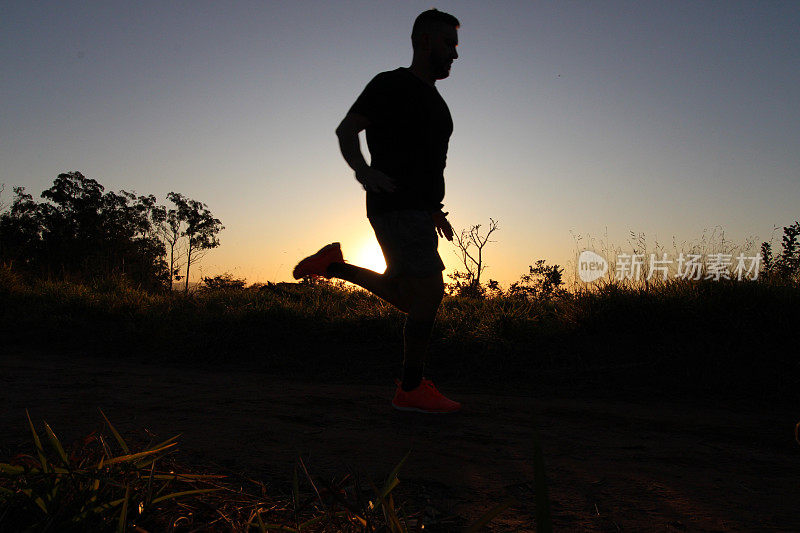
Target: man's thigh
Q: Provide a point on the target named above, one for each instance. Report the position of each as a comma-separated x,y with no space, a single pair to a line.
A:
409,243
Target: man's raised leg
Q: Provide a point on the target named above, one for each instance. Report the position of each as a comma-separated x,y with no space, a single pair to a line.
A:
328,262
381,286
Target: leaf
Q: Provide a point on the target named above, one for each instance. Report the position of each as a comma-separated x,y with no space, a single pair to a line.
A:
184,493
161,444
56,445
261,525
134,456
149,496
13,470
281,527
394,522
310,480
149,460
392,480
178,477
37,443
117,436
37,500
295,490
123,515
310,522
388,488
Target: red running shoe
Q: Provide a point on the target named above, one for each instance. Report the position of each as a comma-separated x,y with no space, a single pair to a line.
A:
317,264
425,399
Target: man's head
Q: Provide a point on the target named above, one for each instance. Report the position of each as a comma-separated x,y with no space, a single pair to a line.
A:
434,38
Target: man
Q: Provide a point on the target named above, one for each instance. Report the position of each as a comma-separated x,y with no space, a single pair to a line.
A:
408,127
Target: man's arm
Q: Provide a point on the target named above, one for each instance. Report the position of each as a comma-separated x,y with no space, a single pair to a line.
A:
347,132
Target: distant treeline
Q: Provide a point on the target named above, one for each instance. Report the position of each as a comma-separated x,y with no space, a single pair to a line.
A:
84,233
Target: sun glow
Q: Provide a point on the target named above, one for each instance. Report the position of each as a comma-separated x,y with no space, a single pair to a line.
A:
370,256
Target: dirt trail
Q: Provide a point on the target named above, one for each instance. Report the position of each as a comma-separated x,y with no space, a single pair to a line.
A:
644,466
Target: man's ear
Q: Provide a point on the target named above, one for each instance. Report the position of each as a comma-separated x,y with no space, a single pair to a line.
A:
423,41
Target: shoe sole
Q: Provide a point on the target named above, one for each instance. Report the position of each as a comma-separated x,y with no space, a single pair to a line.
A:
418,410
321,252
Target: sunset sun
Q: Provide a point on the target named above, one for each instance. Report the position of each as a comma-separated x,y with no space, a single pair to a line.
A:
369,256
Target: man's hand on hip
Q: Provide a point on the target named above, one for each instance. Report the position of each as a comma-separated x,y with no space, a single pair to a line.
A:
443,227
375,180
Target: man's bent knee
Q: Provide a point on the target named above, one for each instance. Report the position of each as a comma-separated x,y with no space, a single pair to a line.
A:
426,295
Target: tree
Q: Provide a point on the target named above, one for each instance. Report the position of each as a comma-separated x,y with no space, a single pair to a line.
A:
200,230
542,281
81,231
786,265
168,226
224,281
21,231
89,233
470,244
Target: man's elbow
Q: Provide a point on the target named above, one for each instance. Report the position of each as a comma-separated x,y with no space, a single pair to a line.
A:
351,126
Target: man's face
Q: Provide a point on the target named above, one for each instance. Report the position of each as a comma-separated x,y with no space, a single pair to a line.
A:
443,51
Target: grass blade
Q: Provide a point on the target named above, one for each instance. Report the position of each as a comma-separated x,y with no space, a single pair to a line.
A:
390,480
295,490
56,445
149,494
37,500
123,515
394,522
261,525
169,440
183,493
37,443
310,522
134,456
147,462
12,470
117,436
281,527
313,486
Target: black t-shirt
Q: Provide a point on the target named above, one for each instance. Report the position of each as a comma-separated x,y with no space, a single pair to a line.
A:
410,127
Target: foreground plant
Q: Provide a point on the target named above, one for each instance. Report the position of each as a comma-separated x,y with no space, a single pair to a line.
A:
94,488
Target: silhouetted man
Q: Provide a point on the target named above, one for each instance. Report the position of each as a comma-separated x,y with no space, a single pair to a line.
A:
408,128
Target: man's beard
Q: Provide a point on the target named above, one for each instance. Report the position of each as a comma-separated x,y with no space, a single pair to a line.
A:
441,68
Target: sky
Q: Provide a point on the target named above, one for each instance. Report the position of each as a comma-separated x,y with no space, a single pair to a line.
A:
574,122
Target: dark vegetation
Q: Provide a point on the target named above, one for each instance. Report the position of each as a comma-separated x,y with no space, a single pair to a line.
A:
82,233
698,336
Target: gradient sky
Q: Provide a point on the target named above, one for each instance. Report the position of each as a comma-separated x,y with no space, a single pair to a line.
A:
571,118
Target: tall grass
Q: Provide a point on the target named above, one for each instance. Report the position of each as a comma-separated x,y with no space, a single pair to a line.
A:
677,334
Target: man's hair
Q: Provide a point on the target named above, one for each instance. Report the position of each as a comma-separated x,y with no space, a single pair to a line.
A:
430,21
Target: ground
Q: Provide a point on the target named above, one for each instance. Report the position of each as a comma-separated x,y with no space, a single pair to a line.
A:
641,464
